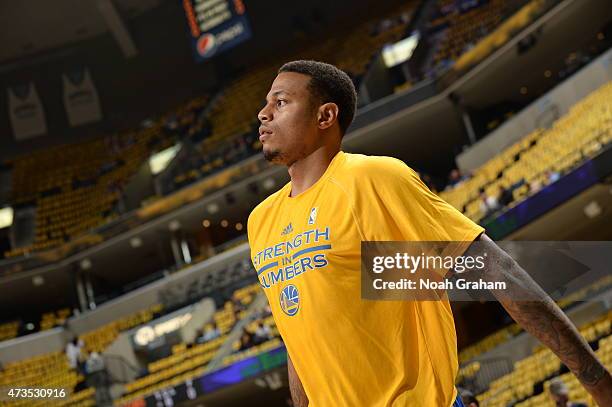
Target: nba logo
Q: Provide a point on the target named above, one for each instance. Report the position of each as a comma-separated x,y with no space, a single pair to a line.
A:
313,215
290,300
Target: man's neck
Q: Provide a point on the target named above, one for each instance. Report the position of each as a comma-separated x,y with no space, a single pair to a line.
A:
305,172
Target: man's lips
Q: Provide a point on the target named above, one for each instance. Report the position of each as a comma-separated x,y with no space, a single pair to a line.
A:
264,133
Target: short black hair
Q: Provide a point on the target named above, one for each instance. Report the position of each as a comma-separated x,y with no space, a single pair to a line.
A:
468,397
328,84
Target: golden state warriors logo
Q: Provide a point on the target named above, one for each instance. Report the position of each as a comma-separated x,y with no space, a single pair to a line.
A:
290,300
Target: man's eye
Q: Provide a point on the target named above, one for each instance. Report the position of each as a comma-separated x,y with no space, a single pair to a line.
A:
280,102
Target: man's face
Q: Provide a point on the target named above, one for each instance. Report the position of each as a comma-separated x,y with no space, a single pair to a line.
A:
288,130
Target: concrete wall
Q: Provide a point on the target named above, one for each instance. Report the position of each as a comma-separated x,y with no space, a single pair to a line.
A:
27,346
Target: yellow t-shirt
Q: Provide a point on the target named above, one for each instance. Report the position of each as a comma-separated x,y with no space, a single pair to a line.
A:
306,251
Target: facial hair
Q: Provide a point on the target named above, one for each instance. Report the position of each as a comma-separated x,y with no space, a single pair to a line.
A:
274,156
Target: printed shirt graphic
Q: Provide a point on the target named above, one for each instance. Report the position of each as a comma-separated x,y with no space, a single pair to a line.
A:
348,351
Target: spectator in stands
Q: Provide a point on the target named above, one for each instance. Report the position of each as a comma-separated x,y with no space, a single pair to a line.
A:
456,177
262,333
560,394
74,353
552,176
267,311
468,398
94,363
488,204
212,332
505,196
427,180
246,340
238,306
535,186
199,338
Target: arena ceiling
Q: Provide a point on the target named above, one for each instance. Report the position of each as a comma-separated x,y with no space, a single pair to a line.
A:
29,27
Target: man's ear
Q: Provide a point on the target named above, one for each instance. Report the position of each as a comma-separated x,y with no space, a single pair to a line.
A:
327,115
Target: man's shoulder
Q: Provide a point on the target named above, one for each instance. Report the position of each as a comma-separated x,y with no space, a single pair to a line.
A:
378,168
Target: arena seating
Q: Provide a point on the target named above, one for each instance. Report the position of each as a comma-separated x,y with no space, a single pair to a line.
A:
468,355
46,371
351,51
489,342
518,386
233,114
460,25
98,339
500,35
578,136
189,361
9,330
48,320
76,188
51,370
53,319
251,327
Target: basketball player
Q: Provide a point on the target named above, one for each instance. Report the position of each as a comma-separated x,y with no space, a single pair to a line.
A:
305,245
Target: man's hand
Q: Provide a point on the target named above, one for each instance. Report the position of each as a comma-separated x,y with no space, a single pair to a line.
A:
295,386
541,317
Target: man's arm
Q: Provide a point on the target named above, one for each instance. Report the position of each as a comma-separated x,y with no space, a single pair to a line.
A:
295,386
538,314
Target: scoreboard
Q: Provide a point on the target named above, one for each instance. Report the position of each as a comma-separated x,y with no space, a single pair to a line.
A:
215,26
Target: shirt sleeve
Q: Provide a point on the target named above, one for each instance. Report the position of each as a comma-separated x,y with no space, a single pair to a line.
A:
394,204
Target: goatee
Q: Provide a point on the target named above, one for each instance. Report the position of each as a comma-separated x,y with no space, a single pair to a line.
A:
272,156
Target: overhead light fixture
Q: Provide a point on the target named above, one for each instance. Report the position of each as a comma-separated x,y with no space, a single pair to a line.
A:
224,223
592,210
85,264
38,280
268,183
238,226
6,217
206,223
174,225
212,208
136,242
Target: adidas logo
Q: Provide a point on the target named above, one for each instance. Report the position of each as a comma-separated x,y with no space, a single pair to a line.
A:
288,229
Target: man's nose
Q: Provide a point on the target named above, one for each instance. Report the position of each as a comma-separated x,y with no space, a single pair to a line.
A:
264,114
